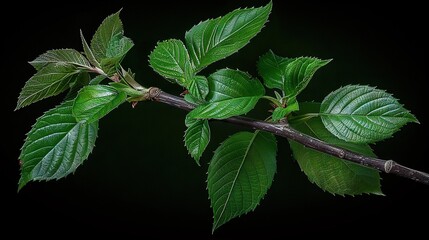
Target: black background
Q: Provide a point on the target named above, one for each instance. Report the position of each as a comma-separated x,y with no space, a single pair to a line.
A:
140,182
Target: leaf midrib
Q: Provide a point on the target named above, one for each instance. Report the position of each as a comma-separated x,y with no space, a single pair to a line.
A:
114,29
50,85
231,34
280,69
234,98
360,115
64,62
66,135
235,178
176,61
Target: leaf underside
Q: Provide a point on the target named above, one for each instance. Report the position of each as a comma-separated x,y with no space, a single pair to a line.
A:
115,52
88,52
330,173
108,45
240,174
61,57
56,145
109,29
49,81
363,114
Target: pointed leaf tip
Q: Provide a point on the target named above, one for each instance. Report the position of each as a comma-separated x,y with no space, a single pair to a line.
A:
110,28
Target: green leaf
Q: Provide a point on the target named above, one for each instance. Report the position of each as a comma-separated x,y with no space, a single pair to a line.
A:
118,47
108,45
116,51
56,145
191,99
291,75
199,87
281,112
171,60
110,28
197,137
96,101
240,174
231,93
218,38
330,173
61,57
363,114
272,69
88,52
51,80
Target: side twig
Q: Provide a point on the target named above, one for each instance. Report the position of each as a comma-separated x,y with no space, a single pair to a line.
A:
284,130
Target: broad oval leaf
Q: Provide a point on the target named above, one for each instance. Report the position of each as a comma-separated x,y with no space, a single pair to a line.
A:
231,93
197,137
171,60
56,145
96,101
291,75
240,174
218,38
330,173
61,57
363,114
51,80
110,28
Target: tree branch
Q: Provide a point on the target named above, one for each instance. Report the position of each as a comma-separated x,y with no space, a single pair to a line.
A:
284,130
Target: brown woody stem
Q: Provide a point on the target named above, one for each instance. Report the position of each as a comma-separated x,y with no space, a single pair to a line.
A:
284,130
